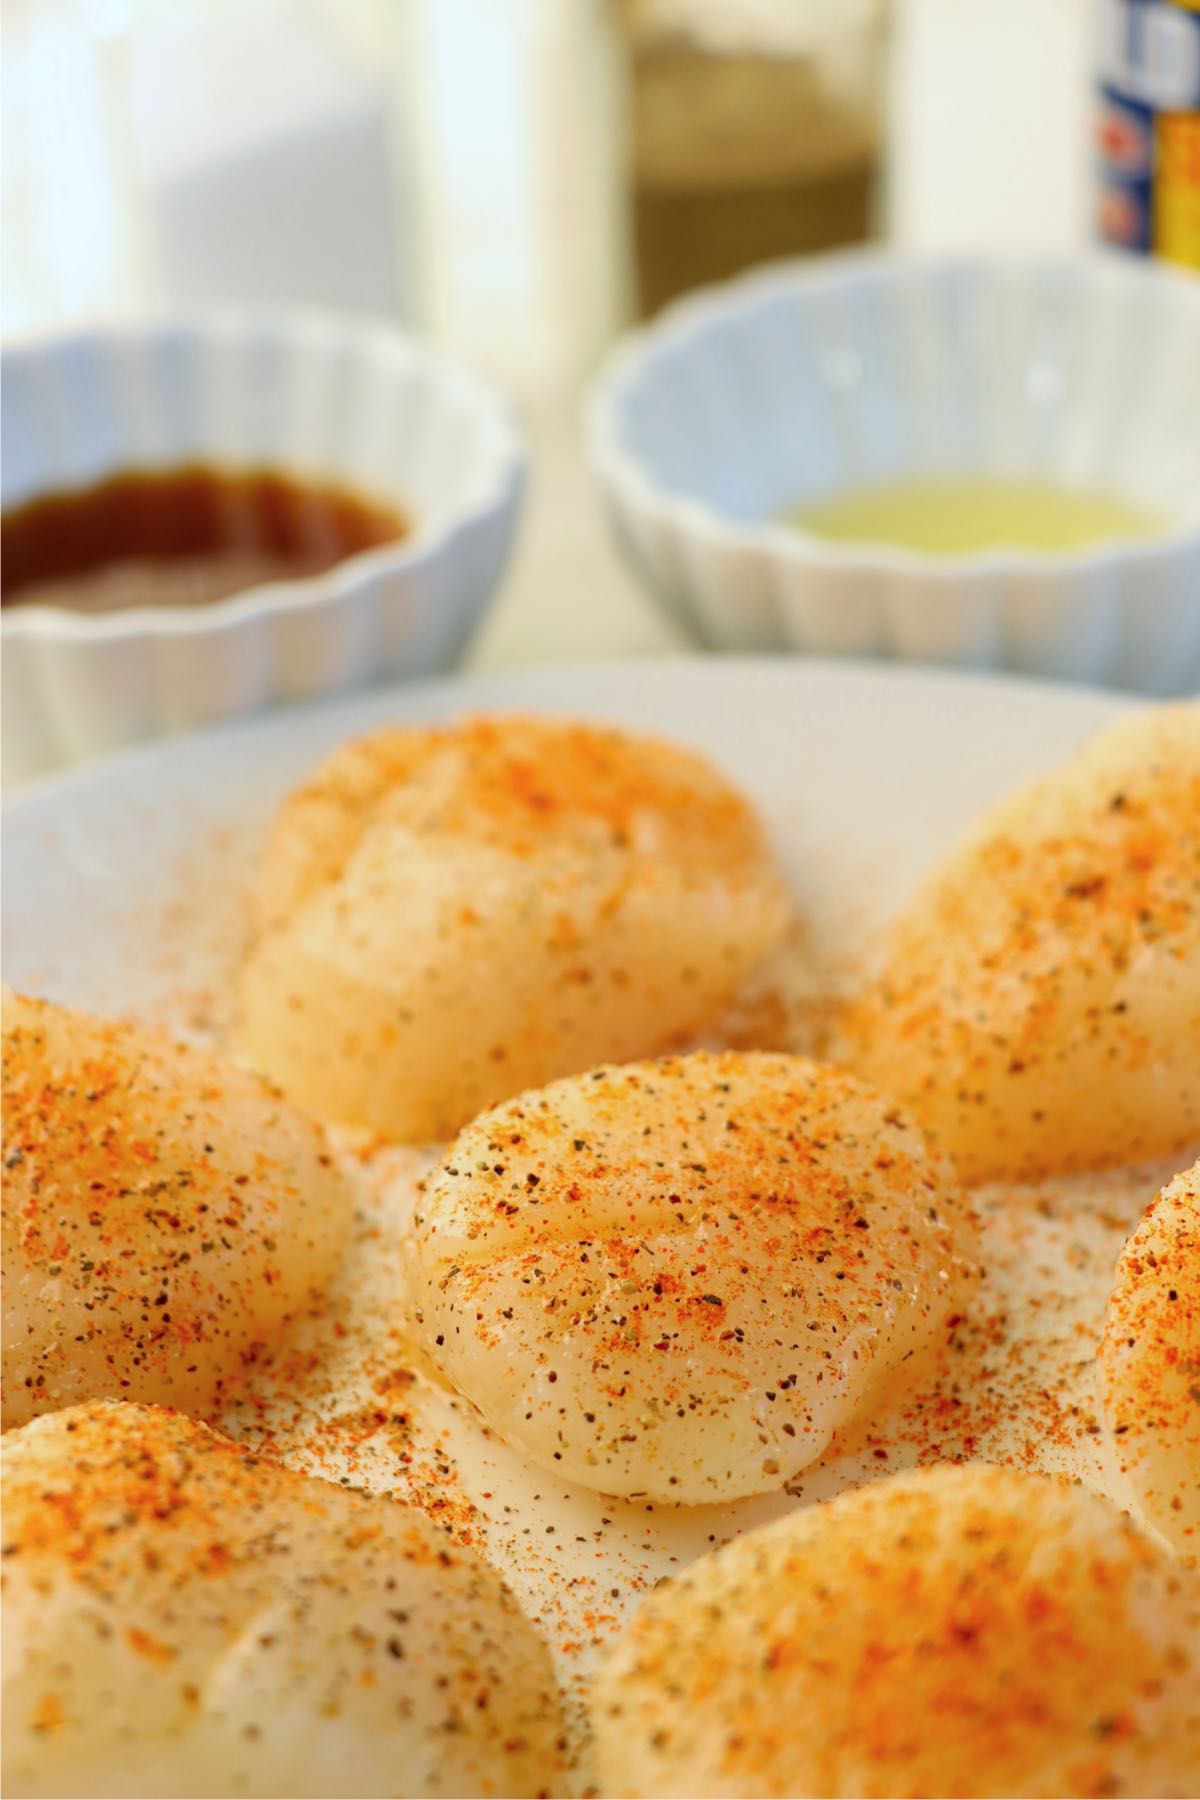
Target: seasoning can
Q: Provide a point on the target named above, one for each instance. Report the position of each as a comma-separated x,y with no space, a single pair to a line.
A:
1148,128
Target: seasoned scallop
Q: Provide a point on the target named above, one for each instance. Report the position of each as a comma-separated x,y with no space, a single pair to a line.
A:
447,916
1039,1009
967,1631
1150,1361
185,1618
163,1214
680,1278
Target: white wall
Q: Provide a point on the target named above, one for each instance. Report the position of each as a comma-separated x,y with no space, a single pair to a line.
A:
503,232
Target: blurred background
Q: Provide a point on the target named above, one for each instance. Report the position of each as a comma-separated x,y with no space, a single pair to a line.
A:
519,179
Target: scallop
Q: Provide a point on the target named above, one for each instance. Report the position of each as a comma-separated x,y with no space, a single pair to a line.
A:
185,1618
680,1278
164,1214
969,1631
1150,1362
447,916
1039,1008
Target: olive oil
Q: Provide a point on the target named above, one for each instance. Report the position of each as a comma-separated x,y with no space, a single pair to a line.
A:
955,516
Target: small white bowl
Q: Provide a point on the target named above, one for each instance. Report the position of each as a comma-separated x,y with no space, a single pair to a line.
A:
801,379
360,404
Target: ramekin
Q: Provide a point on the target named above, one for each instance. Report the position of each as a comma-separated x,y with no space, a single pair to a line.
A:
358,403
791,383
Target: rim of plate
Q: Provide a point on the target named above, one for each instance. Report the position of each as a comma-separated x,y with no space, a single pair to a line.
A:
479,687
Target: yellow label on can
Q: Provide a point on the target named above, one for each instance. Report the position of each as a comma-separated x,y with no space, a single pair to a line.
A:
1147,138
1177,188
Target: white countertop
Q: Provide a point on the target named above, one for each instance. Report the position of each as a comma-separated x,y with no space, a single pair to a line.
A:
568,596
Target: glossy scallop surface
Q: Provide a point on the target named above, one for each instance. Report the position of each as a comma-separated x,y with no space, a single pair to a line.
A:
446,916
681,1278
185,1618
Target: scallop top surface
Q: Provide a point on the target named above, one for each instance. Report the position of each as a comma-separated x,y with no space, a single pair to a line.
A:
163,1214
1150,1362
970,1631
678,1279
445,916
1039,1005
185,1618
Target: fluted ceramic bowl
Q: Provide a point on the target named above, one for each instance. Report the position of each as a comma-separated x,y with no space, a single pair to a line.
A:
804,379
364,406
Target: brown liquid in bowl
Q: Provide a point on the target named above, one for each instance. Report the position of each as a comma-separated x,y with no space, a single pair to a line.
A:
181,537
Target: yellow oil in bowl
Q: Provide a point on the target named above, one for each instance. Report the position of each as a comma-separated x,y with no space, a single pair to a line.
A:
956,516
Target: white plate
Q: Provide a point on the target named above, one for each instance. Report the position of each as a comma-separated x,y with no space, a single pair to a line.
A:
863,774
122,890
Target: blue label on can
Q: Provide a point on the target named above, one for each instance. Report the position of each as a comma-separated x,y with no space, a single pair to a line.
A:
1149,65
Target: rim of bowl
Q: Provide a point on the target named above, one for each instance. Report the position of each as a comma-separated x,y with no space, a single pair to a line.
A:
303,326
690,315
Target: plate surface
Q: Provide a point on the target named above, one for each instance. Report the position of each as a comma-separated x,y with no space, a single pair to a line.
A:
864,776
124,889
